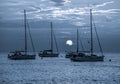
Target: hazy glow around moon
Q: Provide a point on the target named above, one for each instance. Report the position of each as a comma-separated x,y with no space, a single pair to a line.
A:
69,42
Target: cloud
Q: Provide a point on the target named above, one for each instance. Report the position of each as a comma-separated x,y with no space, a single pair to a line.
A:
79,23
108,11
60,10
61,2
58,2
66,2
70,11
104,4
63,32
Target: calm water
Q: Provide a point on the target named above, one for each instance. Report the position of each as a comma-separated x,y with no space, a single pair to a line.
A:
59,71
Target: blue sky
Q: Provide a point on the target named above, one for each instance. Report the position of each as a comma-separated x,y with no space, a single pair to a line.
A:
65,14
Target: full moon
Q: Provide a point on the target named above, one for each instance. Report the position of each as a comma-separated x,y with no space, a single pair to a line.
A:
69,42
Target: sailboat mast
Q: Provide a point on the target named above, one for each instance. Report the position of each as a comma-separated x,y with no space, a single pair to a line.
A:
51,37
91,30
77,41
25,31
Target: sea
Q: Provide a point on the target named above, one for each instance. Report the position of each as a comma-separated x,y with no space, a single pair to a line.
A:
59,70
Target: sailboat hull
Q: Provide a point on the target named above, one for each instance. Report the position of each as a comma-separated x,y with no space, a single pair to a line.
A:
49,55
21,57
87,58
68,55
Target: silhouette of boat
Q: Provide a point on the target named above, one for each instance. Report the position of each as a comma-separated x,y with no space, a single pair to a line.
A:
70,54
23,55
83,57
50,53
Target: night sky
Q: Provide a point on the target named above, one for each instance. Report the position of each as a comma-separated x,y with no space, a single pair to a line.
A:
67,16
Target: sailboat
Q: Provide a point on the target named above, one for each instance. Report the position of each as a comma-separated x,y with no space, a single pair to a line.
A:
70,54
49,52
83,57
23,55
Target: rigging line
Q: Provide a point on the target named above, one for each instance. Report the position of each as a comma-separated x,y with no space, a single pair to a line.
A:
101,50
30,37
81,42
25,26
85,44
55,41
77,41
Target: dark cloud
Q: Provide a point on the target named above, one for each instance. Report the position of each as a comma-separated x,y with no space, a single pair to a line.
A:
58,2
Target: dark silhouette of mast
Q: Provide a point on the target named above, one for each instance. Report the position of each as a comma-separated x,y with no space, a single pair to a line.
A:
77,41
51,38
55,42
81,45
91,30
25,31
